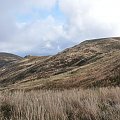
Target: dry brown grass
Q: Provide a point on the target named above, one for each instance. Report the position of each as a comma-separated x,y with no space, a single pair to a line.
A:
98,104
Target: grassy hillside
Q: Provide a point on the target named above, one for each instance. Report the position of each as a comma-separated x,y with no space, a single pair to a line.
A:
7,59
79,83
91,63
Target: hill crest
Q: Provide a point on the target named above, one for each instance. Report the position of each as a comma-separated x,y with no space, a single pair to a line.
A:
8,58
90,63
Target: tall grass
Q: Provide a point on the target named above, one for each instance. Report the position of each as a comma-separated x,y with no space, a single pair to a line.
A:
99,104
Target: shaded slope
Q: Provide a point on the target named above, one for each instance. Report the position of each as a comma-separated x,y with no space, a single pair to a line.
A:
91,63
7,58
14,72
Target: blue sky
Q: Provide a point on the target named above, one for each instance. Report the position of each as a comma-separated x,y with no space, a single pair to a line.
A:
38,27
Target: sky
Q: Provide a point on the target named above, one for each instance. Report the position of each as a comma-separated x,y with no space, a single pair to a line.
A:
46,27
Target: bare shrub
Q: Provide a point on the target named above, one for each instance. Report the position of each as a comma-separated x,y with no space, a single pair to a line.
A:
98,104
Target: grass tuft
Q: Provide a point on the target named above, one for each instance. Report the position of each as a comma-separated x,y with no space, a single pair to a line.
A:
97,104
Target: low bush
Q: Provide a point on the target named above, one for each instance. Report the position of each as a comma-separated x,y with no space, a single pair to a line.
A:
97,104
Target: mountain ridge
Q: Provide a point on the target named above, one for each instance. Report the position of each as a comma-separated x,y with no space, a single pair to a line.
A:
90,63
8,58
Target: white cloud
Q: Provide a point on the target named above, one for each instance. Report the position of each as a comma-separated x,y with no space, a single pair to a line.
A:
23,37
43,4
85,19
40,36
89,17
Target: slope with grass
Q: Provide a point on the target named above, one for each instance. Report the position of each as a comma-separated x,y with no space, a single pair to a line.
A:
7,58
99,104
91,63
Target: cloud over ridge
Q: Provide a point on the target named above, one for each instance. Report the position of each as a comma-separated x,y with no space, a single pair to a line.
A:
34,27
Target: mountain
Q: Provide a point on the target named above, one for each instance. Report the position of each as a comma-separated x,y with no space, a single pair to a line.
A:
7,58
90,63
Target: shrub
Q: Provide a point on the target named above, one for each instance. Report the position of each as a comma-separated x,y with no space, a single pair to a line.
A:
97,104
